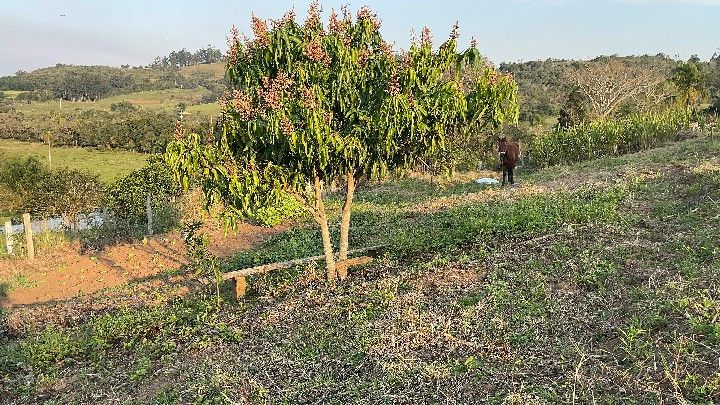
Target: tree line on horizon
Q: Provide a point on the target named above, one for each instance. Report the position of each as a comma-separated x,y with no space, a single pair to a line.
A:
91,83
552,93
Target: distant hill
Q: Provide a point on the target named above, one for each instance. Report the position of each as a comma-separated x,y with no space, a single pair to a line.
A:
110,107
91,83
179,70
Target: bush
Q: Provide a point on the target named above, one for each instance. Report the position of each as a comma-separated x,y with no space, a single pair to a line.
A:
64,193
285,208
21,175
127,198
17,178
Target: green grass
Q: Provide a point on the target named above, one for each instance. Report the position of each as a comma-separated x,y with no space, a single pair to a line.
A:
109,165
216,70
11,94
153,100
604,290
209,109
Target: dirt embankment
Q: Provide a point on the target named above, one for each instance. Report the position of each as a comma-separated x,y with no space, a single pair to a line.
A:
64,273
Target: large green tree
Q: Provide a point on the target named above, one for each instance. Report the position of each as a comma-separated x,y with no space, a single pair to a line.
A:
312,106
690,81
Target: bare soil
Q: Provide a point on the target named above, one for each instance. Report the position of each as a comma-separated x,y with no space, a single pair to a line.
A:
63,273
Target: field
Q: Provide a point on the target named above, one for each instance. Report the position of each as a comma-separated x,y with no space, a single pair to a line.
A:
596,282
11,94
109,165
154,100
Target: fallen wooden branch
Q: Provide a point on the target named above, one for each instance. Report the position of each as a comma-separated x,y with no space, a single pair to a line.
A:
241,283
343,266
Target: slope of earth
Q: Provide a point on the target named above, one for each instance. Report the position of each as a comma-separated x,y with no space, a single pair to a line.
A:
599,285
64,273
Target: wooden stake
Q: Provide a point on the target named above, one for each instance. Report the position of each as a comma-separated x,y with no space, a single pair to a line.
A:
343,265
240,286
149,215
8,237
28,236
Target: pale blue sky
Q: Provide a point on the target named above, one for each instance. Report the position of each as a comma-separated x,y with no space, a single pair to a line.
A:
38,33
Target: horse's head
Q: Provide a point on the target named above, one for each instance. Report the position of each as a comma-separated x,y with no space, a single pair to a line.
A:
502,146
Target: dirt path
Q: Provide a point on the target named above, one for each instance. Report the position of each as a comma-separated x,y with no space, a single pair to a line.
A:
64,273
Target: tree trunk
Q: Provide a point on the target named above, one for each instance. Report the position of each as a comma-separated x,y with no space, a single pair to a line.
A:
345,220
321,219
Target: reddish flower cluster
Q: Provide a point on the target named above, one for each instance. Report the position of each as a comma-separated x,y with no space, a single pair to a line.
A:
315,51
243,105
407,60
493,78
231,167
347,17
286,125
363,57
272,90
308,97
394,86
455,33
336,26
260,30
387,49
288,18
313,17
365,13
426,37
179,132
473,42
233,42
411,99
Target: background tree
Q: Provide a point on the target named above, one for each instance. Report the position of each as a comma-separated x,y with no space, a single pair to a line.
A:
575,111
608,82
713,82
312,107
65,193
542,87
690,81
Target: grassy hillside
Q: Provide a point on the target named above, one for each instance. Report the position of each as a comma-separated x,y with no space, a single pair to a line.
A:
589,283
154,100
195,98
215,70
109,165
11,94
160,89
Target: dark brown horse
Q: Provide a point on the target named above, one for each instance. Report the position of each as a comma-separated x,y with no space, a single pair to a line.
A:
509,154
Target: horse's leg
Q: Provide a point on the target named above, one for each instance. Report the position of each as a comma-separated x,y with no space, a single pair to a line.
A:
504,175
511,175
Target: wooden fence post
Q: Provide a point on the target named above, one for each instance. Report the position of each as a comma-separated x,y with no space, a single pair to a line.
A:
8,237
149,215
28,236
